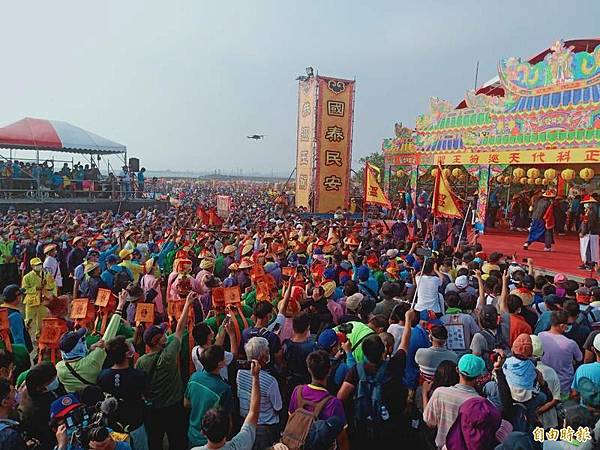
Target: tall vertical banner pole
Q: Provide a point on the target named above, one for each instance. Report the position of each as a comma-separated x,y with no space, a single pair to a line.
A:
365,192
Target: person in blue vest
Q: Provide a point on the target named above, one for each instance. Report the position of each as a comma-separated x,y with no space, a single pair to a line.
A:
13,296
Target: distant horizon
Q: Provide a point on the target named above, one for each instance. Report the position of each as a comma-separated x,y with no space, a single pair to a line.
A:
182,84
182,173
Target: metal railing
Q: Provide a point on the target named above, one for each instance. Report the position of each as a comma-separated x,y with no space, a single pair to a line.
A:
43,189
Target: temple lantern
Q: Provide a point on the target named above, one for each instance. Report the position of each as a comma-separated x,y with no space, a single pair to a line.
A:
533,173
518,173
568,174
550,174
586,174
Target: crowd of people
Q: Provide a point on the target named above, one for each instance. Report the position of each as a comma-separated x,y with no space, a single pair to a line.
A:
21,178
275,329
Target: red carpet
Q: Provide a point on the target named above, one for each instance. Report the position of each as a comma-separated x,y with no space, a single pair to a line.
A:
564,257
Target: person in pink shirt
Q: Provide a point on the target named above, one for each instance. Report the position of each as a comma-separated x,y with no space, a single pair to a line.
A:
207,267
334,307
151,280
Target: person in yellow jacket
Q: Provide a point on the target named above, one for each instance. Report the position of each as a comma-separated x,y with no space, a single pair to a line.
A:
137,270
39,285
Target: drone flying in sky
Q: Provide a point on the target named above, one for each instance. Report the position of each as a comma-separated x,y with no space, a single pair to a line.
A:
256,137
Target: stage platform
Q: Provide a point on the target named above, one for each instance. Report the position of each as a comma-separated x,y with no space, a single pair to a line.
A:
84,204
564,257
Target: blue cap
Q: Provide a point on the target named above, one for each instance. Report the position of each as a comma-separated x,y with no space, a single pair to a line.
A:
363,272
112,258
471,365
153,331
10,292
329,273
327,339
271,266
64,405
69,340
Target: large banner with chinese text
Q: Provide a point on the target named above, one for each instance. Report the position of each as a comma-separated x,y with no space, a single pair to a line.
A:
548,156
307,114
334,144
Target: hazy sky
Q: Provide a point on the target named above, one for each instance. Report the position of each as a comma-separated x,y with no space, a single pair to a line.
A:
181,83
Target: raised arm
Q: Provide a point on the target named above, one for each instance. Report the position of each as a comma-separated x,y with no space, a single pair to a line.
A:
481,298
183,320
408,319
254,410
504,295
288,293
438,273
530,267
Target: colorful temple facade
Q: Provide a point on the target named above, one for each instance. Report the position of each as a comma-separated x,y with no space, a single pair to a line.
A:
540,113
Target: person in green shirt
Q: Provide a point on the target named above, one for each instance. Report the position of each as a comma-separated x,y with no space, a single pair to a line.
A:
205,390
166,414
79,367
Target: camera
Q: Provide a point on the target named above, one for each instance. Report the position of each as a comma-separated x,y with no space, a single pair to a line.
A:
85,423
244,364
424,252
78,419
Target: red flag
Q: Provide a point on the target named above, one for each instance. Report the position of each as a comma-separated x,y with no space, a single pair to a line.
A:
445,202
201,214
213,219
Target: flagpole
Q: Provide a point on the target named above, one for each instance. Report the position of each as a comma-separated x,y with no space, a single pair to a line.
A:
365,192
462,228
417,281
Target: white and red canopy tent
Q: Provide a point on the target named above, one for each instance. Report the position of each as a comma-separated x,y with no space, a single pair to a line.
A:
57,136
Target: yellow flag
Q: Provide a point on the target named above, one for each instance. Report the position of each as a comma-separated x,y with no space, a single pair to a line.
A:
374,195
445,202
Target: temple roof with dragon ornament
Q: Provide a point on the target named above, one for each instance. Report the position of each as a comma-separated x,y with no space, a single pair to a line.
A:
551,101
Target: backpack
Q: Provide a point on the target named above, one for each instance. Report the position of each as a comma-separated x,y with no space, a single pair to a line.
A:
331,386
493,342
121,280
587,317
301,421
368,292
369,410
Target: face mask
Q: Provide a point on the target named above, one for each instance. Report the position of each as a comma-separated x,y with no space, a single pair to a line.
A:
37,268
569,328
54,385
